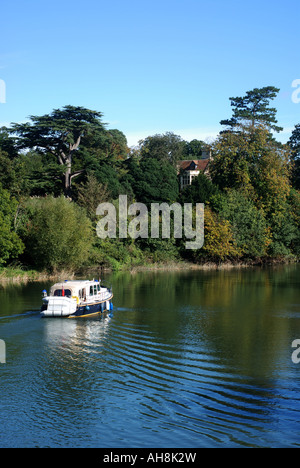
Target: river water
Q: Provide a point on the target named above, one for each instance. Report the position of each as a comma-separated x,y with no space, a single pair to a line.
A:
188,359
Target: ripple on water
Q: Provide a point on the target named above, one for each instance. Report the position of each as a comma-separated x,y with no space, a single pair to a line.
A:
116,383
192,393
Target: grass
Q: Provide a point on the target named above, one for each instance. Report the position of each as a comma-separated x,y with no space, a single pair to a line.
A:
19,274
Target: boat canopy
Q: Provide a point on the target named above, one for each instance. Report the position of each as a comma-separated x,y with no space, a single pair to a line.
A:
79,289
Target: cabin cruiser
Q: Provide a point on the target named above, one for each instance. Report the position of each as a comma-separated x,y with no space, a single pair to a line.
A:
77,299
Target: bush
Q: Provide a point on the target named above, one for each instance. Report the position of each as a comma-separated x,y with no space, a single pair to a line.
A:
10,244
57,234
249,225
219,242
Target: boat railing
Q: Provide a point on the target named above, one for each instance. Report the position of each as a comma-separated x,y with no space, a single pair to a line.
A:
102,296
108,286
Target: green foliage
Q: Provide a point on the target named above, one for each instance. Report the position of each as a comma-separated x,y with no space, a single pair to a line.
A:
11,245
153,181
37,175
167,147
107,175
219,243
285,233
59,134
249,225
91,194
294,212
251,197
59,131
7,143
201,190
57,234
294,144
194,149
254,108
257,167
253,163
7,171
118,254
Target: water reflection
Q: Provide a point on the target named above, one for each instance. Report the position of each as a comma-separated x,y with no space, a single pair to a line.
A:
249,317
74,334
189,359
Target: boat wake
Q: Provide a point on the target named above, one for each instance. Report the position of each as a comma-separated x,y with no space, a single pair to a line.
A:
28,313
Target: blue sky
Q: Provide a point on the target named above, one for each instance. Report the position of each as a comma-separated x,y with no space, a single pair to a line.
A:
149,66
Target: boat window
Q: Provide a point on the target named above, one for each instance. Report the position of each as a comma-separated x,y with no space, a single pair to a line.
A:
95,289
82,294
59,292
98,287
91,291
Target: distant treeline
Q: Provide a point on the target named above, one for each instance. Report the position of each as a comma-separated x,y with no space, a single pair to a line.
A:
57,168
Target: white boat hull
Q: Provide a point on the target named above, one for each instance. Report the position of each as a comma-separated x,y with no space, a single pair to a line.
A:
60,307
76,299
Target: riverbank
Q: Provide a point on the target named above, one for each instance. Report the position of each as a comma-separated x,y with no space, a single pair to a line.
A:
226,265
19,275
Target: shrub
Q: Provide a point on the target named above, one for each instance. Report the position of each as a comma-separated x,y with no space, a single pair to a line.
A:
10,244
57,234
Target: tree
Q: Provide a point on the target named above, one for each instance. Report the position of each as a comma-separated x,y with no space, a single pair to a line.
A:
153,181
285,233
91,194
194,149
117,148
294,212
60,134
253,109
7,171
57,234
167,147
219,242
106,175
7,143
201,190
249,225
294,144
37,174
11,245
254,163
109,146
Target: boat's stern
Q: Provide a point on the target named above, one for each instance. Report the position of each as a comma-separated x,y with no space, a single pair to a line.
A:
55,306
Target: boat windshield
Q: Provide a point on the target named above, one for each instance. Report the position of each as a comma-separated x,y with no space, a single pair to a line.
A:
63,292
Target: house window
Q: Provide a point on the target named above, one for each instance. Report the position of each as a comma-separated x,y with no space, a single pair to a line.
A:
185,179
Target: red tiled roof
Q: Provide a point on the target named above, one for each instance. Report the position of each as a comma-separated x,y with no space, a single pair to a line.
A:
201,164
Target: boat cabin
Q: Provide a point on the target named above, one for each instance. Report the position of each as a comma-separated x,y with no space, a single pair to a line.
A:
76,299
83,290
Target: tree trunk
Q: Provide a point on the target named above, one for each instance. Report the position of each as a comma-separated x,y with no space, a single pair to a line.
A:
67,161
67,176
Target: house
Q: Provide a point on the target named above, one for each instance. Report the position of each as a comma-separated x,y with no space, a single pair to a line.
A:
188,169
